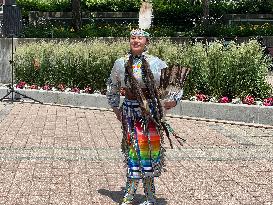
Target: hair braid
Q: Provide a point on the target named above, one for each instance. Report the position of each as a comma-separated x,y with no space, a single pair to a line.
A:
149,81
148,78
150,84
133,84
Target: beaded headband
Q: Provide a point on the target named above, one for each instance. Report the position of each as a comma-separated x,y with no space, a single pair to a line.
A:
139,32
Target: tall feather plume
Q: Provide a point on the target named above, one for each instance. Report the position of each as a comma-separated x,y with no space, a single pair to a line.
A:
145,15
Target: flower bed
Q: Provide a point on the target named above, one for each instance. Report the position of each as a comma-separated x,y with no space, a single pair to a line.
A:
193,109
247,100
220,72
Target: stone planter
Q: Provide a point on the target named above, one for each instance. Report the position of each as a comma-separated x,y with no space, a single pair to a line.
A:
214,111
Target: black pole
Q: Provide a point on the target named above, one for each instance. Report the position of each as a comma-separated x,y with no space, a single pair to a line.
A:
11,87
12,68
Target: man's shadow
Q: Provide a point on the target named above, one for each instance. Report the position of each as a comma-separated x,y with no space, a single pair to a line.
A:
117,197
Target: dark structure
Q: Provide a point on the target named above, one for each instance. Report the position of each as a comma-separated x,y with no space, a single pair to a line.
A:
12,19
76,15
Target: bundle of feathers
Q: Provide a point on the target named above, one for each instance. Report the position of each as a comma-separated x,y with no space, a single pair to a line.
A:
172,79
145,15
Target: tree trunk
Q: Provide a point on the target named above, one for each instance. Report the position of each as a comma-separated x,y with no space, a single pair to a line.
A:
76,14
206,12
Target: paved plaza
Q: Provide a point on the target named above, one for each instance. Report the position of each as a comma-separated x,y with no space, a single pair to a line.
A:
64,155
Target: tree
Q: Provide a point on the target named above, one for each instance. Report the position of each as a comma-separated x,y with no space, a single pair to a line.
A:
205,12
76,14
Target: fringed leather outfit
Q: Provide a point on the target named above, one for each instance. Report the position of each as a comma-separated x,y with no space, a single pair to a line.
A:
141,120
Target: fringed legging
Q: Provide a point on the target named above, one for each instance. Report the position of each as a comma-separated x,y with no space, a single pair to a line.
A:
148,185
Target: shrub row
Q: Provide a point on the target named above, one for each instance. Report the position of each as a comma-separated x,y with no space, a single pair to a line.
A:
217,7
44,5
233,71
49,30
171,12
242,30
183,16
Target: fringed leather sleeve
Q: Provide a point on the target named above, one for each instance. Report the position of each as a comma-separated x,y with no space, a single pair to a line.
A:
176,95
113,86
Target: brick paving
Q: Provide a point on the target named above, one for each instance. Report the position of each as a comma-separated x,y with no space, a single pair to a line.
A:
62,155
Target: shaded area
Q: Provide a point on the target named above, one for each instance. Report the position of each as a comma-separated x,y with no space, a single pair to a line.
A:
117,196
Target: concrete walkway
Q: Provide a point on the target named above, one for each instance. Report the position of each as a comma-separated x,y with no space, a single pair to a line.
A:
61,155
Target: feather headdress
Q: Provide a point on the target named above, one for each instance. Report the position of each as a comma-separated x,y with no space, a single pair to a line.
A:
145,20
145,15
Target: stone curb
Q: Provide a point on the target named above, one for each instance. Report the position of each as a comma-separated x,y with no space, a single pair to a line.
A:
252,114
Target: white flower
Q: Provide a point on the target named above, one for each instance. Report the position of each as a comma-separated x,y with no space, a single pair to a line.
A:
97,92
213,99
259,103
236,101
193,98
26,86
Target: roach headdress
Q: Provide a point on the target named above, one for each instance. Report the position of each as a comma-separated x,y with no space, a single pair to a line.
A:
144,20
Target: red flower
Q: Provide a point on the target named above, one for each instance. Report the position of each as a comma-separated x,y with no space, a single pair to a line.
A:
46,87
88,89
268,101
201,97
21,85
224,100
75,90
249,100
34,87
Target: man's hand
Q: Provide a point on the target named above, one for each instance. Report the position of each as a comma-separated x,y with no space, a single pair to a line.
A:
169,104
118,113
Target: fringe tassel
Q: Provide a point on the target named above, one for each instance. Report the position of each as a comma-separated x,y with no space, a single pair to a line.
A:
167,127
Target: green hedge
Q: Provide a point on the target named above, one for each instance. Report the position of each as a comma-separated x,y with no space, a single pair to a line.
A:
73,64
185,7
48,30
87,5
111,5
242,30
233,71
44,5
171,16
